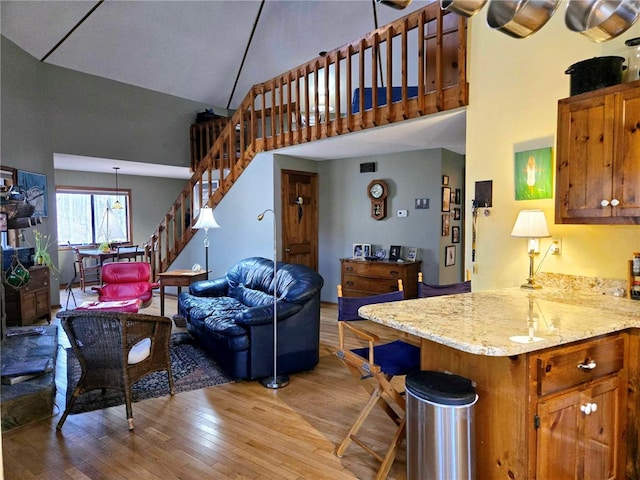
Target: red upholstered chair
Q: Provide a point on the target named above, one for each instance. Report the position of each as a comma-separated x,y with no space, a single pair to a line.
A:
126,281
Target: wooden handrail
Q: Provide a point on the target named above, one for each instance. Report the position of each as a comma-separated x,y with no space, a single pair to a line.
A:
422,55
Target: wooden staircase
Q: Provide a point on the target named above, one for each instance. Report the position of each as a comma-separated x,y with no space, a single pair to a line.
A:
425,49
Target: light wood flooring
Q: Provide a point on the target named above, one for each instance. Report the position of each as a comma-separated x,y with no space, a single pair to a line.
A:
235,431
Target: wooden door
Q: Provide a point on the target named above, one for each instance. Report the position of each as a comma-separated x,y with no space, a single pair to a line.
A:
577,443
585,159
626,175
300,218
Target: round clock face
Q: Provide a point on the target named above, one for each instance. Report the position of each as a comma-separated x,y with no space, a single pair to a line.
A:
376,190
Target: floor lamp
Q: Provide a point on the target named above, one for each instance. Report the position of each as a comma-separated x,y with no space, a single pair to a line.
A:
276,381
206,220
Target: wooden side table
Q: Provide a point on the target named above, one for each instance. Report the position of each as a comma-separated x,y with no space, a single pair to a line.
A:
178,278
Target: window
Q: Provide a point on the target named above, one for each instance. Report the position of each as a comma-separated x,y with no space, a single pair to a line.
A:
87,217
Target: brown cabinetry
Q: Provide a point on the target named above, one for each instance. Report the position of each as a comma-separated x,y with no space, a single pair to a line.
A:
580,411
542,416
598,160
31,302
360,278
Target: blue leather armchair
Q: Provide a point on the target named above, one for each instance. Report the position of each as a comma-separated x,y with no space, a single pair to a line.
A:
232,318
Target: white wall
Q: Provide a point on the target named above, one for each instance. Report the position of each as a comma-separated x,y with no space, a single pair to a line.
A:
514,88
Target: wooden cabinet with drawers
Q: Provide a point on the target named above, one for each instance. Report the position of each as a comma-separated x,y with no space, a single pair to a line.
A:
360,278
581,410
31,302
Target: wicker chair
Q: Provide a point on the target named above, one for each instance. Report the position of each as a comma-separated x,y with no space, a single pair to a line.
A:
115,350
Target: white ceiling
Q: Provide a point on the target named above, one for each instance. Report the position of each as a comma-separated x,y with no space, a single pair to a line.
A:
194,50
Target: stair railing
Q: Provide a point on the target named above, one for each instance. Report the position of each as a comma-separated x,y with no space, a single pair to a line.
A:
422,56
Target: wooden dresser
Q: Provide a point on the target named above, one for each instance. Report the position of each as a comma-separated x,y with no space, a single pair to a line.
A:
27,304
360,278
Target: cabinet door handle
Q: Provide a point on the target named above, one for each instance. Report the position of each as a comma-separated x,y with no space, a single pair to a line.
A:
350,284
588,366
615,202
349,269
588,408
394,272
604,203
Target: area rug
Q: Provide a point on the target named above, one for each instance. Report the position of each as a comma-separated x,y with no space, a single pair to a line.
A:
191,367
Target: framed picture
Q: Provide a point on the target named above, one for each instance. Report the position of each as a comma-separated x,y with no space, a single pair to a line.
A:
458,196
446,221
456,214
453,197
3,222
358,250
455,234
394,252
445,180
449,255
412,254
533,171
35,184
446,199
366,249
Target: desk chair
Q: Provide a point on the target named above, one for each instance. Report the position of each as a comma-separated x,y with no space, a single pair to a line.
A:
375,366
89,269
428,290
115,350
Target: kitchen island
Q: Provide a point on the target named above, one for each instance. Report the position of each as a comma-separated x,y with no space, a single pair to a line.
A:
556,371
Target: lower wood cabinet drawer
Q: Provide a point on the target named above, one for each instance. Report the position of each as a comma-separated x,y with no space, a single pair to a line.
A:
367,284
571,366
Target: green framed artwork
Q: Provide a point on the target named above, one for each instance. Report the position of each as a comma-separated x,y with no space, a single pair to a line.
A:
534,174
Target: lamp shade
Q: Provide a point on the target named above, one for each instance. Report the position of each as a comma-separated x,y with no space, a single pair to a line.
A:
206,219
530,224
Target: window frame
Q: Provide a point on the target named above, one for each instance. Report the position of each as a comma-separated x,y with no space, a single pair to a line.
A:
125,197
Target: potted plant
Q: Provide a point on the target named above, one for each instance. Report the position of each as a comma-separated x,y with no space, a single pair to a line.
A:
41,255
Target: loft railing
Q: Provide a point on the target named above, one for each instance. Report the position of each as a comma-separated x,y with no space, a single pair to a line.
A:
422,56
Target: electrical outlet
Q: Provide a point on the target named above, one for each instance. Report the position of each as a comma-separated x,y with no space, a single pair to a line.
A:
402,213
556,246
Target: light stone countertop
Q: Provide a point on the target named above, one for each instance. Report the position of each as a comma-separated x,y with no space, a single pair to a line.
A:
503,322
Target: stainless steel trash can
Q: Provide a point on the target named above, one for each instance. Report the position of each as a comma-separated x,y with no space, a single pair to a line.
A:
439,426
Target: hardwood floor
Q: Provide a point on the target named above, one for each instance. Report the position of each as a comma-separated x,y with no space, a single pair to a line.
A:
233,431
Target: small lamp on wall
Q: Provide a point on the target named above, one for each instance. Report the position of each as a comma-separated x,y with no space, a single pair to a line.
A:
531,224
206,220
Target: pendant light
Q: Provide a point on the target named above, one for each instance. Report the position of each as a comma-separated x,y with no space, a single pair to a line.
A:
117,205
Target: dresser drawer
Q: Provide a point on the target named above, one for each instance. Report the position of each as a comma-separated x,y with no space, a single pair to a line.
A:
372,269
567,367
368,284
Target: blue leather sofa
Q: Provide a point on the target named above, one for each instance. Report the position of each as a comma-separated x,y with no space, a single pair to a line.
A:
232,318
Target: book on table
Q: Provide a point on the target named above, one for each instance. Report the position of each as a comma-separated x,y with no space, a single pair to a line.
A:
26,367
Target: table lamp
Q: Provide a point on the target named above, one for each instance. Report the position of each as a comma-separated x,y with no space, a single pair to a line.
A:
206,220
531,224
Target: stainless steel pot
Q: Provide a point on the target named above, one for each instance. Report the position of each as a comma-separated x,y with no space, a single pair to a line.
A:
466,8
601,20
520,18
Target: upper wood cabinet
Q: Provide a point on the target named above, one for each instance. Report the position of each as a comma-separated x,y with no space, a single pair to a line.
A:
598,157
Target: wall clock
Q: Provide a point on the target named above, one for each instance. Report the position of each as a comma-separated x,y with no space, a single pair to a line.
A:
378,191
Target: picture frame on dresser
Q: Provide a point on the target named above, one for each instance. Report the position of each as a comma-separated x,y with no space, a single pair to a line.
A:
357,251
394,253
412,254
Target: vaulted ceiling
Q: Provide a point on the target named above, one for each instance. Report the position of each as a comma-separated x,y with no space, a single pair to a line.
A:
209,51
191,49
